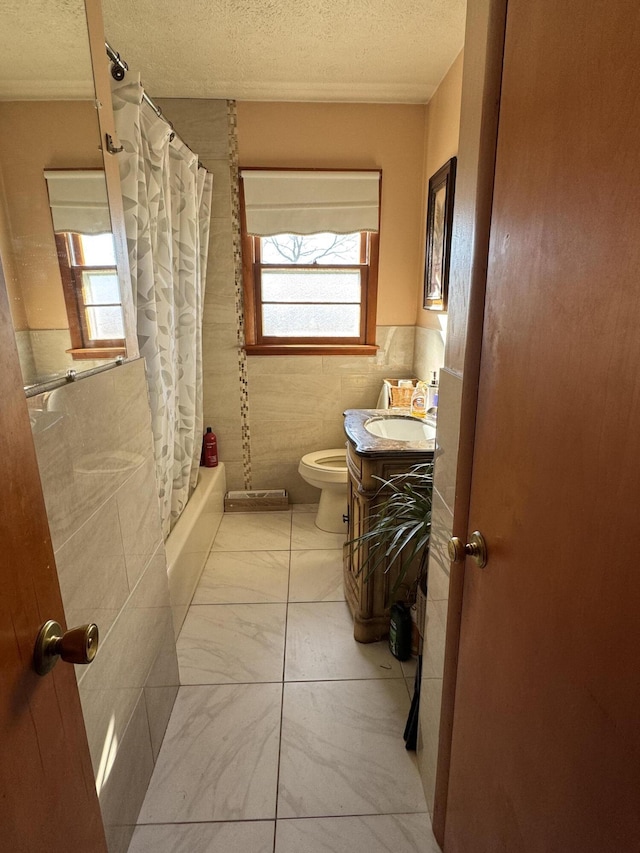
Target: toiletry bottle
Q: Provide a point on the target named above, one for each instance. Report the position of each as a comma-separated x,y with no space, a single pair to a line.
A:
419,400
432,394
210,449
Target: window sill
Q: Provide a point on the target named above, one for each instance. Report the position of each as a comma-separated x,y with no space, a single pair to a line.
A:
311,349
96,352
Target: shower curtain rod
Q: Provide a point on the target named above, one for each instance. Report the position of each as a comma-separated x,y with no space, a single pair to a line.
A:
118,69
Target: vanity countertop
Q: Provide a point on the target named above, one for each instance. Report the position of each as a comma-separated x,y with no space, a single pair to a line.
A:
372,446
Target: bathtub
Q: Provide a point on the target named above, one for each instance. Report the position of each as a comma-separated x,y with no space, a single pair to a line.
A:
190,540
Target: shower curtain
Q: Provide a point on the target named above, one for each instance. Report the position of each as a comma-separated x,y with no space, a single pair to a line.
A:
167,205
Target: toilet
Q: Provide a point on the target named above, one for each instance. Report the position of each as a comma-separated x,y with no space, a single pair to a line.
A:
327,470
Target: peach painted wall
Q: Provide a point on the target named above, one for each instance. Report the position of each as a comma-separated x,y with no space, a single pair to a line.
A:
38,135
390,137
443,126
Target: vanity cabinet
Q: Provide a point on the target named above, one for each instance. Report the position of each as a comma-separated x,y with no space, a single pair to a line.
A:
368,600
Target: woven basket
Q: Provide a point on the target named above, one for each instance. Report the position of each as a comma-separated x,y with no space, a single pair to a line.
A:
400,397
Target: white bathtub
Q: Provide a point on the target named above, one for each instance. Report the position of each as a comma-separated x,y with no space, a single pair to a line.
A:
190,540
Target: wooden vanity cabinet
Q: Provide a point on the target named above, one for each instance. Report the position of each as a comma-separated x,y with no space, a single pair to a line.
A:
368,600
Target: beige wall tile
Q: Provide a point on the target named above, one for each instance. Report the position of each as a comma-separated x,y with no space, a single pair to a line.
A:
92,571
448,435
202,123
439,566
123,790
428,735
278,475
139,514
235,475
284,440
287,364
429,352
101,437
294,397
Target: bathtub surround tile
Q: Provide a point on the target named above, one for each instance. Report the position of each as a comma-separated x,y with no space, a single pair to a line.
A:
342,751
320,646
134,762
252,531
231,643
305,536
111,686
92,571
316,575
219,759
202,123
232,577
403,833
139,514
159,702
249,837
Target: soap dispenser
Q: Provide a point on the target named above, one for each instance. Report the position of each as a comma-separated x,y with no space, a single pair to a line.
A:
419,400
432,394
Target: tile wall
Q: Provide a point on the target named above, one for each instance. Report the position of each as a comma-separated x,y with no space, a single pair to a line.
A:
93,442
296,405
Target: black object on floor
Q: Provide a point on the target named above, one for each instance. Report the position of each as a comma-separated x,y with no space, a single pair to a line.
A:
411,728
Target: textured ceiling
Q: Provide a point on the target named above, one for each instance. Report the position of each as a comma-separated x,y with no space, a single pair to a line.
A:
323,50
44,50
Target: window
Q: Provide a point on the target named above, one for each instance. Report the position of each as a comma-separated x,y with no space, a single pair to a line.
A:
92,294
310,288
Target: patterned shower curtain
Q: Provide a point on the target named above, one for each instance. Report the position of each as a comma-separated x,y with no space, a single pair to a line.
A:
167,208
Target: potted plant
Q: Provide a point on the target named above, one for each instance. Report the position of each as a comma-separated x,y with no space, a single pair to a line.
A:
399,530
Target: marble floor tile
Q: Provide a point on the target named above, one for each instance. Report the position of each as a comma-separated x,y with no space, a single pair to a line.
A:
219,759
306,536
254,531
247,837
231,577
232,643
316,576
403,833
320,646
304,507
342,751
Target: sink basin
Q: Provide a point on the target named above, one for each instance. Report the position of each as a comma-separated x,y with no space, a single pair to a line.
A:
400,428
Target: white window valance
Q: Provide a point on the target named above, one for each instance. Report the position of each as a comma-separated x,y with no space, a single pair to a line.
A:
78,201
310,202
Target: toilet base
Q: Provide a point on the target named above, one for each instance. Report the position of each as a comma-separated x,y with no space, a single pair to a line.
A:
331,509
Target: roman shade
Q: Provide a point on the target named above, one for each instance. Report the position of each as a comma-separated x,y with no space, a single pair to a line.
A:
310,202
78,201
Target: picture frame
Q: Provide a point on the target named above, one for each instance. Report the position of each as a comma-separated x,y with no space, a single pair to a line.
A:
438,238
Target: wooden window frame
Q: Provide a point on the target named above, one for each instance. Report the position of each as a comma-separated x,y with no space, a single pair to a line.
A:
82,347
258,344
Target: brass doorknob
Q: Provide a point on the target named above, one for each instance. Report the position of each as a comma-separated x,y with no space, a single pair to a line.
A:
78,645
475,548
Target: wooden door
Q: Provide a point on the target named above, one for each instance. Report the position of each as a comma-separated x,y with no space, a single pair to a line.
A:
48,798
546,733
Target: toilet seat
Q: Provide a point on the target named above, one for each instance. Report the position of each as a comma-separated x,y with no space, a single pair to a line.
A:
330,466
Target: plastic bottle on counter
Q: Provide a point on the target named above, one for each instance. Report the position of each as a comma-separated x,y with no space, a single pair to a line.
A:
209,449
432,394
419,401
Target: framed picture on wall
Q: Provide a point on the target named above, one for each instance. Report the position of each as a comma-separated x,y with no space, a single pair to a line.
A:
438,249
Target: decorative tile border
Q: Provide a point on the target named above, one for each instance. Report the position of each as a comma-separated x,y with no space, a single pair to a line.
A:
232,119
